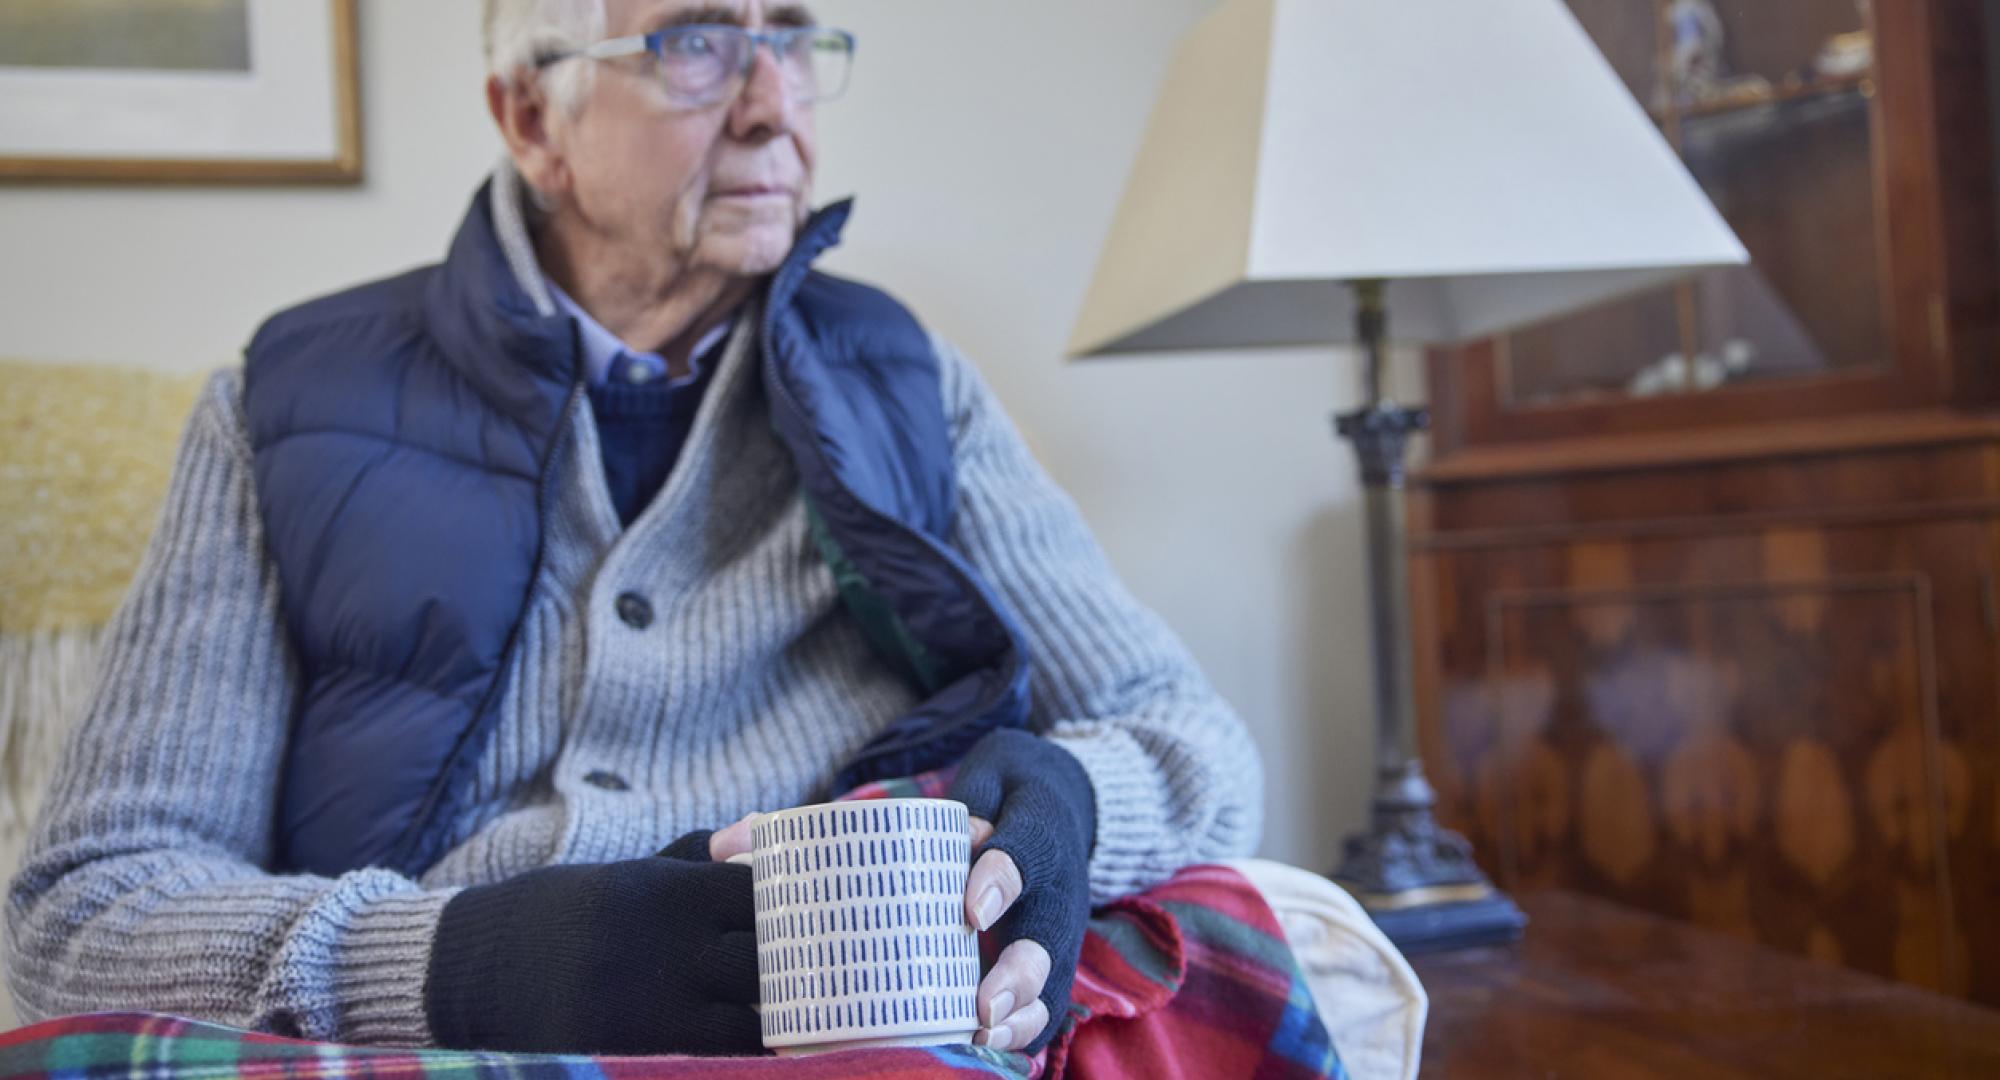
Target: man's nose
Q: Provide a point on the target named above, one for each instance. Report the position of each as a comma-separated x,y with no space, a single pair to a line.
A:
764,108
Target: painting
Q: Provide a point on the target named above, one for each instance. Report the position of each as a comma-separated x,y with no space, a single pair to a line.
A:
158,35
178,90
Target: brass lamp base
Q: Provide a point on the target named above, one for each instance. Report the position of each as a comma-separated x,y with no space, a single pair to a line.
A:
1417,879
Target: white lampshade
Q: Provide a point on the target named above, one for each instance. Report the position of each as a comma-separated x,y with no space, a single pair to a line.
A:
1480,155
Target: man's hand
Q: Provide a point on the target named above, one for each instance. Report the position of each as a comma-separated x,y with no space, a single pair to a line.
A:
646,956
1035,817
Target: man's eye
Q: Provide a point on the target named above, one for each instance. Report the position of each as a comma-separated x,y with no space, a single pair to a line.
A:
691,45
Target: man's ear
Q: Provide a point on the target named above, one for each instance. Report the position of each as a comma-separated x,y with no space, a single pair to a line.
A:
522,113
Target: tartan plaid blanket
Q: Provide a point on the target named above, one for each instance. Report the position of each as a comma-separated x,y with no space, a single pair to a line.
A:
106,1045
1191,978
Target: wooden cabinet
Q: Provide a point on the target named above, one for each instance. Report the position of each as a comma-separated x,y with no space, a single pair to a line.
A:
1733,654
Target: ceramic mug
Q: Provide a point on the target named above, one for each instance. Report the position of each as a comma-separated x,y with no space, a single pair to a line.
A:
861,932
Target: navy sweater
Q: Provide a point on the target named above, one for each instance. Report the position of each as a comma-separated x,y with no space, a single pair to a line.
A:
641,430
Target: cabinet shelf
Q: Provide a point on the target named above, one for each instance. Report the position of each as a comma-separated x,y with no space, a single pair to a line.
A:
1835,86
1723,130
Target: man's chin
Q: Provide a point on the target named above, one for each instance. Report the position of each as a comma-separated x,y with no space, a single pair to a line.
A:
751,226
751,253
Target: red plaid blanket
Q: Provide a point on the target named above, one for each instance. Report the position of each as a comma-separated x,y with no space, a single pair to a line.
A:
1191,978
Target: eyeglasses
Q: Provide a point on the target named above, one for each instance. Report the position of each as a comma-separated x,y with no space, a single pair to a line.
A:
700,66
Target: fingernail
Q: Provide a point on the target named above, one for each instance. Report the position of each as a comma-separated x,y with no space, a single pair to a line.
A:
1000,1038
1003,1004
988,908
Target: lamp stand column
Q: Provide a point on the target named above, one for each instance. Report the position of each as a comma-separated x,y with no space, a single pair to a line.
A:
1417,880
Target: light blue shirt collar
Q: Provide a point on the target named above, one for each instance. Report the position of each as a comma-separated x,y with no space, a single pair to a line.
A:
603,352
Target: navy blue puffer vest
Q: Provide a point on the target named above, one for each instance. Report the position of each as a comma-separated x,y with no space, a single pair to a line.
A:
403,434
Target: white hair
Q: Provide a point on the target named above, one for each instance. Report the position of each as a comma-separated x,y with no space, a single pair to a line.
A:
521,32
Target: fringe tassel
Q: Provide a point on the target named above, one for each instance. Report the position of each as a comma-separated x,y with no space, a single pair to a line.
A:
45,678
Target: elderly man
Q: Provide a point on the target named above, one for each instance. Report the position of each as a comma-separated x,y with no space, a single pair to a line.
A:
484,592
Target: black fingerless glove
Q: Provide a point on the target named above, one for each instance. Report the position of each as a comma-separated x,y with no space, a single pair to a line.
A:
1044,815
647,956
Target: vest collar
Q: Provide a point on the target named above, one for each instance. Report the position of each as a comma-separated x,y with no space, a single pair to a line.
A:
508,206
498,328
820,232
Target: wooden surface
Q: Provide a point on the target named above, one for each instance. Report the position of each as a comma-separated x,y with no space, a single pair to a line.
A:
1598,992
1781,439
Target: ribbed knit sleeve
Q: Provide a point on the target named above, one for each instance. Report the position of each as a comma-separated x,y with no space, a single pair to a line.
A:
1175,773
144,886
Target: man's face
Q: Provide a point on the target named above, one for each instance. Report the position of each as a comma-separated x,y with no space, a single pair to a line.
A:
722,188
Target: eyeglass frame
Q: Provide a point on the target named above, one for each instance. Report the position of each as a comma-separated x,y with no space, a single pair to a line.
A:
650,43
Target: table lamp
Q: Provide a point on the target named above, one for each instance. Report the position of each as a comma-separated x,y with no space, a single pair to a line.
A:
1312,166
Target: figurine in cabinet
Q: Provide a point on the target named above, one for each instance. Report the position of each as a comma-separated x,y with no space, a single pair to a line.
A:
1697,36
1697,73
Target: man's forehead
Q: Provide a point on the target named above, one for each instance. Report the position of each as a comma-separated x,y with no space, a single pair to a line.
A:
640,16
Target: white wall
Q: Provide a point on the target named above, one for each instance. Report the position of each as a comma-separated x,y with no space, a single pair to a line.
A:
987,144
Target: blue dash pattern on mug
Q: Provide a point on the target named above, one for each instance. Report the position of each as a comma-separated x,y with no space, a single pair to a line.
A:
861,930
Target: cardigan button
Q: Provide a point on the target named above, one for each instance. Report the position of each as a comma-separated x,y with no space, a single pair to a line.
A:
635,611
598,778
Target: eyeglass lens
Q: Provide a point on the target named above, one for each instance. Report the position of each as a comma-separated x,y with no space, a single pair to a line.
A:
701,65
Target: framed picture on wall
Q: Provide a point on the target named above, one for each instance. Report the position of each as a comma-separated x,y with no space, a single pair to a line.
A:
260,91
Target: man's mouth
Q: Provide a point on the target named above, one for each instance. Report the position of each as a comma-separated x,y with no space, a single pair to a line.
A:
751,191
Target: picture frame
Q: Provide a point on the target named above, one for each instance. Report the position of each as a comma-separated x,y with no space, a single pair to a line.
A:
180,91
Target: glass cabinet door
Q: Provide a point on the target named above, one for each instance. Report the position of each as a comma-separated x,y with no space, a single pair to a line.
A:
1771,103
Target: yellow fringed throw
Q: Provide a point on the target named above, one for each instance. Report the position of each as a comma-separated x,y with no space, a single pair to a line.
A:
85,453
